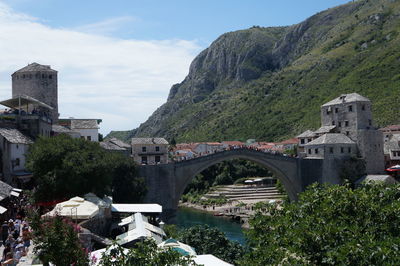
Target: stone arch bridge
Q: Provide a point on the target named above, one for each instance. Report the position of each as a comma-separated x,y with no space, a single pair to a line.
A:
167,182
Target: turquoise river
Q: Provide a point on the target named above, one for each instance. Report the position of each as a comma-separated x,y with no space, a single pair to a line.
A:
187,217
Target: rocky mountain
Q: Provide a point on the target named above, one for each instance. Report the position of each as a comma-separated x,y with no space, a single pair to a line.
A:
268,83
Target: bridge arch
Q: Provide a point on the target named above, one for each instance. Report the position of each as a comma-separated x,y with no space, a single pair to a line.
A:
284,168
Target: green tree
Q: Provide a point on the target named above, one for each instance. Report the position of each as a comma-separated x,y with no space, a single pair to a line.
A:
127,187
329,225
145,253
56,241
207,240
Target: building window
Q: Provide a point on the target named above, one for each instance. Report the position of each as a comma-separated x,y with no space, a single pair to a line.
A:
82,137
157,148
363,107
340,124
336,110
330,149
350,108
158,159
89,138
309,140
17,146
301,141
144,159
346,123
43,76
23,76
333,122
349,149
309,151
394,153
50,76
347,133
369,122
341,150
327,111
144,149
316,151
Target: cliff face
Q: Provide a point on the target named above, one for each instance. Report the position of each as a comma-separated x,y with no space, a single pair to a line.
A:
269,82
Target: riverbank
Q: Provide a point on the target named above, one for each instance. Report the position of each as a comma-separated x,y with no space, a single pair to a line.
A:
239,211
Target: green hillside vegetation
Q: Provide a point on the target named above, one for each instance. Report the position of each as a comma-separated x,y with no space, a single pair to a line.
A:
269,83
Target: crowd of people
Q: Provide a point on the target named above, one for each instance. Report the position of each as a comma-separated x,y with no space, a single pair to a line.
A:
16,235
235,147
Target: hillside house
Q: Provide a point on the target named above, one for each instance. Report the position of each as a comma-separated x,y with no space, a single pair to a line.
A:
149,150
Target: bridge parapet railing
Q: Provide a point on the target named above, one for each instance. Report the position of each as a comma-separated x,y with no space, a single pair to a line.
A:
233,151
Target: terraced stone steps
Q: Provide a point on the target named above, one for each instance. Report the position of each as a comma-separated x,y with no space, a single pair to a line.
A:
238,193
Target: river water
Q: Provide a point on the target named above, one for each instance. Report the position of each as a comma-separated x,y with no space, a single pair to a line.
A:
187,217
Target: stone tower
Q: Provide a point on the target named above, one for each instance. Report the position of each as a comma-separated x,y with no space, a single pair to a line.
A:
37,81
351,115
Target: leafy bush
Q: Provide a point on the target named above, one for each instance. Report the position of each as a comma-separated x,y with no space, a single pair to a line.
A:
329,225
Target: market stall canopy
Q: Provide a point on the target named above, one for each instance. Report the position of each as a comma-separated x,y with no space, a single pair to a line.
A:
75,208
98,254
2,210
139,230
24,100
394,168
135,208
182,248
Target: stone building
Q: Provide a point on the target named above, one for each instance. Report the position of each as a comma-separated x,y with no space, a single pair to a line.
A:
116,145
347,120
14,146
86,128
150,150
333,145
37,81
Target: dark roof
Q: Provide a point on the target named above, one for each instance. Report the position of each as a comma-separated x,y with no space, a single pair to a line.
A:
324,129
84,124
114,144
35,67
15,136
331,138
149,141
391,128
60,129
346,98
306,134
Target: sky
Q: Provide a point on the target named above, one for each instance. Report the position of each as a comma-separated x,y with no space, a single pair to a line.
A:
117,60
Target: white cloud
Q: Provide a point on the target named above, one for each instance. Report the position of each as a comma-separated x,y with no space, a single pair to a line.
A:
107,26
119,81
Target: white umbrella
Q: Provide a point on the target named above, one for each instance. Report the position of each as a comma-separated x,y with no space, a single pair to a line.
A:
75,208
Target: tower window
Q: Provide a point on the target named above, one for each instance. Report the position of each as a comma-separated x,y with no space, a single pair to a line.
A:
350,108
